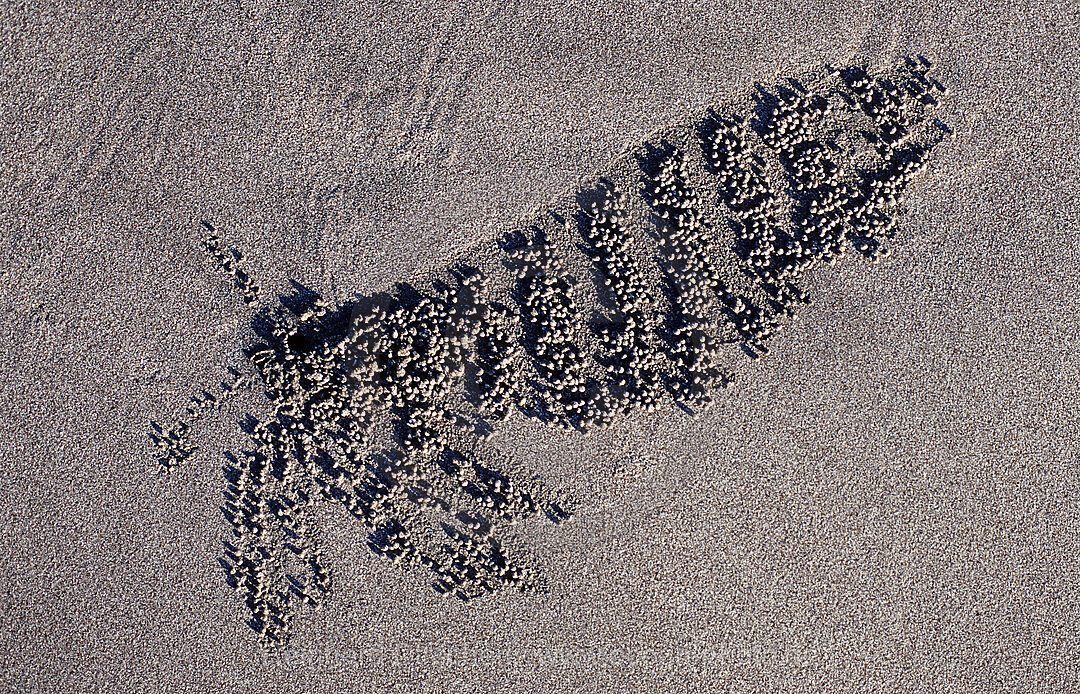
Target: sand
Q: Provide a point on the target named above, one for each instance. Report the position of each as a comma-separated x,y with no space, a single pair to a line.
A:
887,501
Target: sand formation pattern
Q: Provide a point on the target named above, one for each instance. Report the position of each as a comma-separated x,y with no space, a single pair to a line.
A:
681,256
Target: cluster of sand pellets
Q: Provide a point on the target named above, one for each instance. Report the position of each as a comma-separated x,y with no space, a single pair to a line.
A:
174,444
229,262
632,294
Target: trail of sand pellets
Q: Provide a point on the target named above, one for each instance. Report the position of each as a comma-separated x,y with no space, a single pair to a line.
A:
634,293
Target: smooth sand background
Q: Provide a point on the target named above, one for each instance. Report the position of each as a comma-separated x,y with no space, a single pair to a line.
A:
890,501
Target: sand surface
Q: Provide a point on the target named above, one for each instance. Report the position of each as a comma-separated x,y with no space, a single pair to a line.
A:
888,501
